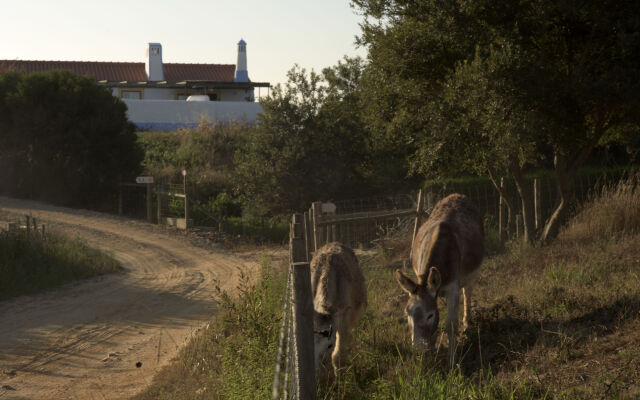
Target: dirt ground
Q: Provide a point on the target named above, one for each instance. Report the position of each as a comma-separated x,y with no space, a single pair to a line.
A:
106,337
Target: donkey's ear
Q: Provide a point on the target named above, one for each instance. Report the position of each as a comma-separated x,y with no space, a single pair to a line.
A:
406,283
434,280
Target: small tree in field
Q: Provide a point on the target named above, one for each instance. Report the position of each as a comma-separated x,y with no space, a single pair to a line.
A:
63,138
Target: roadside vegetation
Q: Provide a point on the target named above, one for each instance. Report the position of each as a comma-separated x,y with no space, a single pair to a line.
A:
557,322
31,264
63,139
233,356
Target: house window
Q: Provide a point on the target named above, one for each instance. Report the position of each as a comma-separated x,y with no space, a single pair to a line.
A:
131,94
183,94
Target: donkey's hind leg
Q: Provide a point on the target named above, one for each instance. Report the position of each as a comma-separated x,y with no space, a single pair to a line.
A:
466,293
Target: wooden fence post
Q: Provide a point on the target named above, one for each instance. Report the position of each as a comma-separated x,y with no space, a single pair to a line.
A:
159,201
416,225
501,219
302,313
149,202
35,226
186,200
44,233
536,201
315,208
307,236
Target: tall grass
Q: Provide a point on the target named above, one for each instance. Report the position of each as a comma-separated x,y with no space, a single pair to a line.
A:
615,210
31,264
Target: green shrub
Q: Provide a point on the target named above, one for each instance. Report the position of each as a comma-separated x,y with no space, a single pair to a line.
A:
63,138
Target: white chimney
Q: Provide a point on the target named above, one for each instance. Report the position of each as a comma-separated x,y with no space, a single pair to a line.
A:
153,66
241,66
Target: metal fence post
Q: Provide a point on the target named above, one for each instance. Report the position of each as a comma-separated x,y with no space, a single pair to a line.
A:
302,313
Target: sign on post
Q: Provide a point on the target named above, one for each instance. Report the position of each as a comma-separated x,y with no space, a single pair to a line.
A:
144,179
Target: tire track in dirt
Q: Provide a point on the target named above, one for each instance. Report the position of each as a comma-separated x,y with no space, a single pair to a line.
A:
84,339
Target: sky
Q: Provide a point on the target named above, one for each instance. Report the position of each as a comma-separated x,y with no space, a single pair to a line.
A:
279,33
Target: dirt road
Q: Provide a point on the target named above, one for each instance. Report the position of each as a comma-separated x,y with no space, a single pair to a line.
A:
83,341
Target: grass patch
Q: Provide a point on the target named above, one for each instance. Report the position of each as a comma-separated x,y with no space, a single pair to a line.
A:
232,357
30,264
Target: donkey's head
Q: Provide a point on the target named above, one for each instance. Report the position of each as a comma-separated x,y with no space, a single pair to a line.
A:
422,307
325,328
324,335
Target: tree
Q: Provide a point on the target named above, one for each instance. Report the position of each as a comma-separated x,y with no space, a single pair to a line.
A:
306,146
63,138
496,87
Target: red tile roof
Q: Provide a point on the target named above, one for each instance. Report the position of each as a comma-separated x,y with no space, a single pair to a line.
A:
199,72
127,71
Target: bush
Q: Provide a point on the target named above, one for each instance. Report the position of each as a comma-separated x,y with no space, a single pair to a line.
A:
63,138
206,152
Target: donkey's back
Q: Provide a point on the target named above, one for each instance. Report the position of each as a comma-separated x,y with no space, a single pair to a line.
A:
452,239
339,299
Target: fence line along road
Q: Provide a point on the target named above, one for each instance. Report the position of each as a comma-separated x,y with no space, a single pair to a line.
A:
300,376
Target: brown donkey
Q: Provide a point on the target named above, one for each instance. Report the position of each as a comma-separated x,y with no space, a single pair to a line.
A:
339,300
447,253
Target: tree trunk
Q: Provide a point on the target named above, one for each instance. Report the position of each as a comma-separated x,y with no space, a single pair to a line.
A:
566,171
509,201
526,197
565,176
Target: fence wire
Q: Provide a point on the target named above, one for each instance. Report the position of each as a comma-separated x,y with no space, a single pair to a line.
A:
358,226
284,381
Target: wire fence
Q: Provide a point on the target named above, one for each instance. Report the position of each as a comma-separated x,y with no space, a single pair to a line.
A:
362,221
28,226
132,201
282,380
296,349
176,204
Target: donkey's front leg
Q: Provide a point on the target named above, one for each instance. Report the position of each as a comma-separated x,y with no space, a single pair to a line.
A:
451,324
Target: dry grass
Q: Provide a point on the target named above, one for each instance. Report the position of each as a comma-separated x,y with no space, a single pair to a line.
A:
612,212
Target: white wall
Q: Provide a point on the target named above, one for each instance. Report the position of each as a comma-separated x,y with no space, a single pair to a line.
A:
171,114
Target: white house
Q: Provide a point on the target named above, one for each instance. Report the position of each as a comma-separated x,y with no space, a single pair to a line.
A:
156,92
